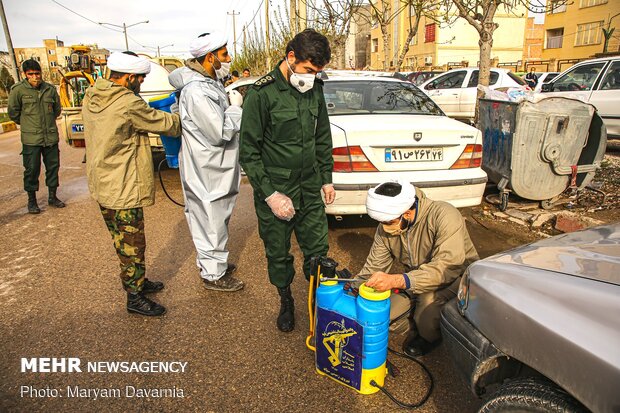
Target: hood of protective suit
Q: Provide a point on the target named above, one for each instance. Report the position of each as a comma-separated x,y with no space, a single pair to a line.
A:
103,94
191,72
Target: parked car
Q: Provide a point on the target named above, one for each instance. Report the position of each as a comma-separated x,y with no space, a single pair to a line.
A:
455,91
385,129
541,322
417,78
242,84
544,77
596,81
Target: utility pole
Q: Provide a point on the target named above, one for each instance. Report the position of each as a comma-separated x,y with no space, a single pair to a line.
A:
302,19
124,27
233,14
9,43
293,16
244,40
267,43
162,47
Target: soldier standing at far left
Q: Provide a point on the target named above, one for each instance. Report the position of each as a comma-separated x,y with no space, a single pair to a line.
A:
35,105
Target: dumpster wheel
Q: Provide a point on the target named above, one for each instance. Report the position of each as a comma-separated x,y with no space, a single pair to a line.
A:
547,204
501,200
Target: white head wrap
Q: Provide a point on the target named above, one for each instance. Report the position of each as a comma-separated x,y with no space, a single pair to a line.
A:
125,63
386,208
200,46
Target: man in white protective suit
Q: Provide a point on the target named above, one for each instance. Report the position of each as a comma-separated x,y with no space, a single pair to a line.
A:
208,162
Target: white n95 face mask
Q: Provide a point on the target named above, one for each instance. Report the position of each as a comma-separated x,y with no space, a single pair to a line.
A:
224,69
301,82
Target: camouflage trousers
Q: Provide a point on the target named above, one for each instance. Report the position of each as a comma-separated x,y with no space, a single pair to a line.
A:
127,229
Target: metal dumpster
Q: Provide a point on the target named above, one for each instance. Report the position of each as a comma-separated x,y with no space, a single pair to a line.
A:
538,150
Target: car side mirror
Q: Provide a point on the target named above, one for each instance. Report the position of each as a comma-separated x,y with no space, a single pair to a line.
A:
430,86
547,87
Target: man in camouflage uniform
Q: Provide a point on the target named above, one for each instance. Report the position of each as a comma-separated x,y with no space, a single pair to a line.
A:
35,105
119,166
127,229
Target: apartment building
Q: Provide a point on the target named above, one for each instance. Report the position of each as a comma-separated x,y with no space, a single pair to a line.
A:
574,29
448,45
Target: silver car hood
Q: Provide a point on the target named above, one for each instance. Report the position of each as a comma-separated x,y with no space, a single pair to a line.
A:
593,253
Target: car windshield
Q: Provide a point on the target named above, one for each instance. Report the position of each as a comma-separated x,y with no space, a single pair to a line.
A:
363,97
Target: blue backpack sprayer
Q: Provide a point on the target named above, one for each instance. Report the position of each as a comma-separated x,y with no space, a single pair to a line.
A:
350,331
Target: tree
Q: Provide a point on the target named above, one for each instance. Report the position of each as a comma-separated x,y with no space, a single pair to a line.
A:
6,80
417,9
480,14
383,14
333,18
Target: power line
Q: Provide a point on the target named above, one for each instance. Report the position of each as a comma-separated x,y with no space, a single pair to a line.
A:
255,14
85,18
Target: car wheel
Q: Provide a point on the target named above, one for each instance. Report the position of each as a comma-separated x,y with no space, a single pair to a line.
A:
532,396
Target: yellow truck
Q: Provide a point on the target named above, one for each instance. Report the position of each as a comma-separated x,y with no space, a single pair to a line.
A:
82,73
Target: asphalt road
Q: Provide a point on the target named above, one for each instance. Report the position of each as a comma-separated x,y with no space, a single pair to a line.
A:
60,296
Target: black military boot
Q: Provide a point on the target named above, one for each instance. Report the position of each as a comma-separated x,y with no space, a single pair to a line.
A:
138,303
52,200
152,286
286,318
33,208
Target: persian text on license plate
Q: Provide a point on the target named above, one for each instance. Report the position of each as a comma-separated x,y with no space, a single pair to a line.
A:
413,154
77,128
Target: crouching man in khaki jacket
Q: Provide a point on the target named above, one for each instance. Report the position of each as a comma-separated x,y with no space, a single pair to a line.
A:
119,166
430,240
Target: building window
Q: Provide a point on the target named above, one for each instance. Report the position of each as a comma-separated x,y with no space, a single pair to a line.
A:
429,33
414,40
554,38
53,64
51,51
557,6
375,46
590,3
589,33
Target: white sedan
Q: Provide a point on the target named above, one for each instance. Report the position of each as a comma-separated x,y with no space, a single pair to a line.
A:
386,129
455,91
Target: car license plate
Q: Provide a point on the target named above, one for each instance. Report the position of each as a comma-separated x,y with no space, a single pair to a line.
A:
413,154
77,128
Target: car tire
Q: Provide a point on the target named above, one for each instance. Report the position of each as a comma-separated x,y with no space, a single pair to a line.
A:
531,395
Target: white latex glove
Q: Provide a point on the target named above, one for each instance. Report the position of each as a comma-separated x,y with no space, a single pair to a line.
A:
281,206
330,193
236,99
174,108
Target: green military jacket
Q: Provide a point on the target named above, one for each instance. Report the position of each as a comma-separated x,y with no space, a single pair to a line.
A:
35,110
285,139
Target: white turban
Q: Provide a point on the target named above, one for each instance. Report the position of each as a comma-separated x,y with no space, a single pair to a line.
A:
200,46
126,63
386,208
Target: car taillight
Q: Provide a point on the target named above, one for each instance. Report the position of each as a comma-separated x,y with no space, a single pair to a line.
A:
470,158
351,159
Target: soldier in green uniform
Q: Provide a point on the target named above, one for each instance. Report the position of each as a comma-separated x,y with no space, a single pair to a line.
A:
286,152
35,105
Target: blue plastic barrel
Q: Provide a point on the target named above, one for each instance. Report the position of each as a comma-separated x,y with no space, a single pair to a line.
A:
172,144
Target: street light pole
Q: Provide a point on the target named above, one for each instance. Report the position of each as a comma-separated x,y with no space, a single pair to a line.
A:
9,43
162,47
124,27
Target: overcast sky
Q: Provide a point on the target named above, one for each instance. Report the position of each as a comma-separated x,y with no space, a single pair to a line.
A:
170,22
